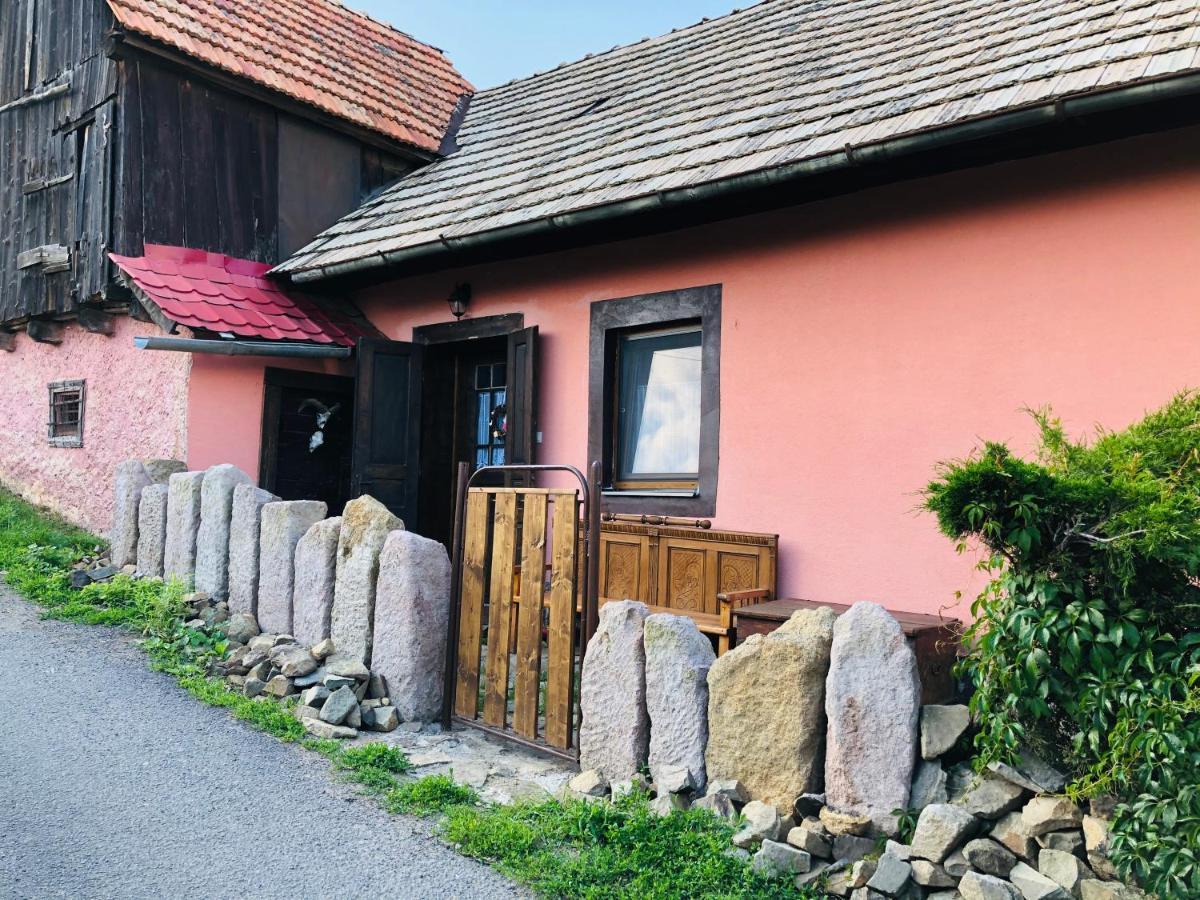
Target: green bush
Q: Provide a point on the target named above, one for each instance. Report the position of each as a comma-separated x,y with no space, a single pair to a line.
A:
1086,639
428,795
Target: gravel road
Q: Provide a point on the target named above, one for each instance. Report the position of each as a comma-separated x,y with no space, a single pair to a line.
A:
116,783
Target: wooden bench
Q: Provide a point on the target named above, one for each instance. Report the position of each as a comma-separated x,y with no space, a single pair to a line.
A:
935,641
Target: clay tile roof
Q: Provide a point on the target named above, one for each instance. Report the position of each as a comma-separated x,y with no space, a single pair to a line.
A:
316,51
780,83
220,293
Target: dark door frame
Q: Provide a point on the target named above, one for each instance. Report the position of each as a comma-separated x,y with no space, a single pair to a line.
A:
469,329
274,380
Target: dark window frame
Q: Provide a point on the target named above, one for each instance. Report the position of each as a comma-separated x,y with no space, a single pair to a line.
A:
610,319
55,388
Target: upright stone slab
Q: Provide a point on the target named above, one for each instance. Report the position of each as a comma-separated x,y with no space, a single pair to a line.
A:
412,620
152,530
283,524
131,478
161,470
766,716
244,523
365,526
212,540
312,589
873,701
183,525
614,737
678,658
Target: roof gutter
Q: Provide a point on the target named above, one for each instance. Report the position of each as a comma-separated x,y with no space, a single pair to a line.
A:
243,348
847,158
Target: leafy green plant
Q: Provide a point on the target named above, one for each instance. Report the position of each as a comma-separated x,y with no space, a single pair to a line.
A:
374,766
906,824
429,795
1086,639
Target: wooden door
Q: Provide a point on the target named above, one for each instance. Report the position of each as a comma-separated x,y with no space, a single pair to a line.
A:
387,415
521,432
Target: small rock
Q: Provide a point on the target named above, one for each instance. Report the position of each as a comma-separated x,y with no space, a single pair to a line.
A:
1092,889
318,728
335,682
1033,885
761,824
279,686
807,881
283,639
303,711
79,579
589,783
807,805
236,682
891,876
316,676
260,670
129,569
241,627
665,804
1010,831
849,847
941,727
338,705
898,850
986,795
1043,814
213,616
977,886
989,857
861,872
377,687
415,726
383,718
1066,841
1032,773
931,875
1064,869
811,841
718,804
956,864
844,823
774,859
263,642
293,660
731,788
323,649
628,786
347,667
433,758
940,828
929,785
738,853
253,687
673,779
353,718
1096,840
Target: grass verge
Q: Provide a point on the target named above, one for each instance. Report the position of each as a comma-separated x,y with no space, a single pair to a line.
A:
560,849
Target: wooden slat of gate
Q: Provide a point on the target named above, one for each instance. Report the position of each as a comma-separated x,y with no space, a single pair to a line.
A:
475,540
561,662
504,537
529,621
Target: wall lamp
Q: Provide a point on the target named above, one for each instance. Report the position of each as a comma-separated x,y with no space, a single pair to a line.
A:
459,298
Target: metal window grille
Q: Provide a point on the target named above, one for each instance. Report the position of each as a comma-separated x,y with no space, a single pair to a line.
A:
65,426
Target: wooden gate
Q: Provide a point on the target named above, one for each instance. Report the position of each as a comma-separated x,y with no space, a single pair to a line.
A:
523,607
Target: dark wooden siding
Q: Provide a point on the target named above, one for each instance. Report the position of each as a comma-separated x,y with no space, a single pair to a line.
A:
320,179
55,152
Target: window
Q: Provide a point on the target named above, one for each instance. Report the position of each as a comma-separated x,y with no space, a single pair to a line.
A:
491,414
657,429
66,413
654,401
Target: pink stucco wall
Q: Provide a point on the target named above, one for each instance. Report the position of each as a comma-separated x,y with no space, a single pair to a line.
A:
869,336
135,407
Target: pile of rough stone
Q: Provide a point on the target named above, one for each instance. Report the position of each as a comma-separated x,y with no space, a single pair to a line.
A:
337,693
96,566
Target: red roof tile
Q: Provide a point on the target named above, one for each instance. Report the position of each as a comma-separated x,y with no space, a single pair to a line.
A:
318,52
220,293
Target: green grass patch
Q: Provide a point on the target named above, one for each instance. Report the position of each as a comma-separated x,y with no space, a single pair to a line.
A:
374,766
429,795
272,716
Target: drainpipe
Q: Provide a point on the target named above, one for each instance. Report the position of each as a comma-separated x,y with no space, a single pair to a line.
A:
244,348
849,157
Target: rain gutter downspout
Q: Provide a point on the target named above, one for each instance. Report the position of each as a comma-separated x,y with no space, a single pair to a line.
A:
849,157
243,348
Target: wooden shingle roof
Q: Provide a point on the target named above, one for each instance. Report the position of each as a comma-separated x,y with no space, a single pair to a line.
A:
318,52
781,82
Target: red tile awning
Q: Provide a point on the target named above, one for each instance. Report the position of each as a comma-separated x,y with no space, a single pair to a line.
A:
221,294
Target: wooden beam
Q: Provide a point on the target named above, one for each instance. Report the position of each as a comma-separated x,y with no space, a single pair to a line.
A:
8,341
41,184
96,321
49,258
44,331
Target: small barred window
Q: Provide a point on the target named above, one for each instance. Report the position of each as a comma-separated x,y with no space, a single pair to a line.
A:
66,413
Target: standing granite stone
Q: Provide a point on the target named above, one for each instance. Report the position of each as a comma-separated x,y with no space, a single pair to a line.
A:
131,478
766,712
244,523
160,470
152,530
365,526
312,588
678,658
283,524
212,540
614,737
412,620
183,525
872,700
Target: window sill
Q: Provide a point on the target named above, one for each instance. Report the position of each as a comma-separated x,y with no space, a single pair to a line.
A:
624,492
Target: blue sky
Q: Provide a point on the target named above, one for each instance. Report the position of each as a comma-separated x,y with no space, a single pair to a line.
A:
493,41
